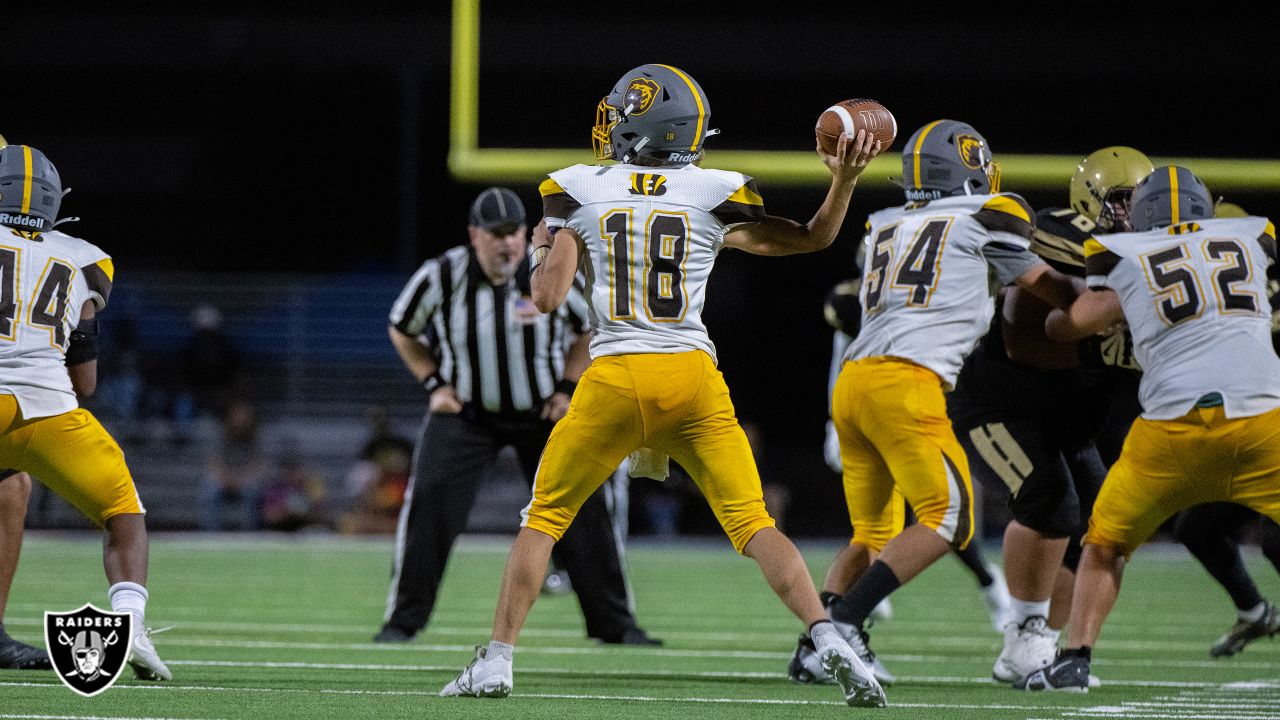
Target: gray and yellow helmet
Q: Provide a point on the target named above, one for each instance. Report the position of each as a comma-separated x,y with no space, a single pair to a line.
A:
948,157
1103,181
654,111
1168,196
30,189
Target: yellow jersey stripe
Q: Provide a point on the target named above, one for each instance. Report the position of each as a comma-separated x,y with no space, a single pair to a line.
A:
1271,230
26,180
549,187
697,97
746,196
108,268
1173,192
915,152
1009,206
1093,247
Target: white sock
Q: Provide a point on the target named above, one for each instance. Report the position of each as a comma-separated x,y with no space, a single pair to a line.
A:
1020,610
497,649
132,598
1055,634
1254,614
823,634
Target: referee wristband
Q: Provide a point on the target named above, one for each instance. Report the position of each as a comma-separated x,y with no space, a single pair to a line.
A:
566,386
432,383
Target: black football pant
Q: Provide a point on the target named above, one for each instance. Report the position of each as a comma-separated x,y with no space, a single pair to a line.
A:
1209,532
453,457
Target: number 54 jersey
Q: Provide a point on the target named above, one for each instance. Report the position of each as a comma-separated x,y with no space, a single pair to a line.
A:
652,236
1195,297
45,279
927,278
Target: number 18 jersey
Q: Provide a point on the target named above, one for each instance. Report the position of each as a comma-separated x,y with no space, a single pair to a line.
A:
45,279
652,235
1195,298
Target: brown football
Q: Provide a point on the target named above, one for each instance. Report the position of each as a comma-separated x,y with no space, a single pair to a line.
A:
850,116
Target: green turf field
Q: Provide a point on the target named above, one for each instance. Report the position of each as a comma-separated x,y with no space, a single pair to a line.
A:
280,628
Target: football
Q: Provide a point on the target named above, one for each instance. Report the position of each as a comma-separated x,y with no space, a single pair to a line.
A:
850,116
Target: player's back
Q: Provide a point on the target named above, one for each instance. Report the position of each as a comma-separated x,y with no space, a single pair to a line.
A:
652,235
926,292
1194,296
45,279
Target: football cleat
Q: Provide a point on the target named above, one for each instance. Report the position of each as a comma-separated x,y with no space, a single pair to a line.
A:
996,597
805,666
16,655
484,677
882,612
146,664
1066,674
840,661
393,634
1245,632
1028,647
858,640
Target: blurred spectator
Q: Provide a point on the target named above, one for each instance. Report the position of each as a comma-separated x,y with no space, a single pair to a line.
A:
120,385
294,497
210,363
235,471
375,485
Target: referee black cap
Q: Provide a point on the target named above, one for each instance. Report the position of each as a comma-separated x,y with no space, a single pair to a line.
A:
497,210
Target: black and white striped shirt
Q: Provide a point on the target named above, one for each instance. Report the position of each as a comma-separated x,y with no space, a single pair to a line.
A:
494,347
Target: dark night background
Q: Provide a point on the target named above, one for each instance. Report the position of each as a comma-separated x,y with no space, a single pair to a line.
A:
243,140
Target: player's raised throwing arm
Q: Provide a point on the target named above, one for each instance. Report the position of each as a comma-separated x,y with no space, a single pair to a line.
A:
779,236
555,262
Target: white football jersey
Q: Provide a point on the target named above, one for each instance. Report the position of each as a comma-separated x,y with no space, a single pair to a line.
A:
652,235
45,279
1195,298
926,289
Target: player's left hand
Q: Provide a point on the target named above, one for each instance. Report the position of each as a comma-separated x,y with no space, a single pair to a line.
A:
852,155
541,235
555,407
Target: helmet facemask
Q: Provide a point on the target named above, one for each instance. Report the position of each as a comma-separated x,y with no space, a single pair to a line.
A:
607,118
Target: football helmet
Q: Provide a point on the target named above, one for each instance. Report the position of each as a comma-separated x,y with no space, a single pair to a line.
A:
654,111
1103,181
948,157
1168,196
30,189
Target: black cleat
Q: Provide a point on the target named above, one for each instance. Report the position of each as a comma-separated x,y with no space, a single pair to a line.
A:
632,636
393,634
1066,674
1245,632
15,655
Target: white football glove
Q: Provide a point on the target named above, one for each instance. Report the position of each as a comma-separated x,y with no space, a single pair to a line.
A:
831,449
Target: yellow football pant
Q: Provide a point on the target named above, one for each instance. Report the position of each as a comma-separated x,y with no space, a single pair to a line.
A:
896,442
675,403
1167,466
73,455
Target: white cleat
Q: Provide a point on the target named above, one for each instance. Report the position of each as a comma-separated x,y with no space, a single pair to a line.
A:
841,662
484,677
146,664
1027,648
857,639
883,611
996,597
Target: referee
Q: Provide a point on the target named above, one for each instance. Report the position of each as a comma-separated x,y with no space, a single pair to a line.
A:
498,373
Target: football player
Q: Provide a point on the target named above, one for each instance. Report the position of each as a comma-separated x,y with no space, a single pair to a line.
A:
926,301
1193,291
844,313
52,286
649,229
1027,411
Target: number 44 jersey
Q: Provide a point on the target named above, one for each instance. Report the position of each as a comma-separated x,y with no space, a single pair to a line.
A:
652,235
1195,297
927,280
45,279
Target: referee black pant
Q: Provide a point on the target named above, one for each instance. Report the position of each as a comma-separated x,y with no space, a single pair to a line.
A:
452,458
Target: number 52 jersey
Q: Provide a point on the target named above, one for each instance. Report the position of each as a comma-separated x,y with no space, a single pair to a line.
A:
1195,297
45,279
652,235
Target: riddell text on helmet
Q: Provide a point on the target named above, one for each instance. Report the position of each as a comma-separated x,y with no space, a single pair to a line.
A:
7,219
